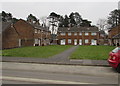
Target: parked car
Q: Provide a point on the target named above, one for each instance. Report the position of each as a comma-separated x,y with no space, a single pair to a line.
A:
114,58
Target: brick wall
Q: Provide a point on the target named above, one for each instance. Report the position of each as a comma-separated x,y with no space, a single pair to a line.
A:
10,38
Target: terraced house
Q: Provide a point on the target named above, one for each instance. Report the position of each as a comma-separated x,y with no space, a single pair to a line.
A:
78,36
23,33
114,35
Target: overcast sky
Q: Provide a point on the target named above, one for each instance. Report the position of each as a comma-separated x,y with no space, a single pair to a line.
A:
88,10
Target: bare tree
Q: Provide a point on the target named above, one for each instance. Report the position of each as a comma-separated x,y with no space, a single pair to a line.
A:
102,24
43,21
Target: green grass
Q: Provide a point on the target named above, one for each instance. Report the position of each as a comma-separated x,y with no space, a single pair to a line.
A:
92,52
38,51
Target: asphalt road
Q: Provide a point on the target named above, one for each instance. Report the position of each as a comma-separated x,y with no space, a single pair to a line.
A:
26,73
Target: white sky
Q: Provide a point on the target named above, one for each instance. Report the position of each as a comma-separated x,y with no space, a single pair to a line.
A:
92,10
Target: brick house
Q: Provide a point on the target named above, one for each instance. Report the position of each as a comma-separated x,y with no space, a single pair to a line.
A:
22,33
41,36
78,36
114,35
103,38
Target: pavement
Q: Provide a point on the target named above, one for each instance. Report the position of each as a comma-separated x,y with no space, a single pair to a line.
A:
61,59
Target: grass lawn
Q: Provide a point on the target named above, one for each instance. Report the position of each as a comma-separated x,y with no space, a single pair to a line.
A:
38,51
92,52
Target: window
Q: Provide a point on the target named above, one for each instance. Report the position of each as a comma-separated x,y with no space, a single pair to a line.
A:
36,41
69,34
75,34
93,33
86,40
80,33
93,42
69,41
86,34
62,42
80,41
38,31
62,34
35,30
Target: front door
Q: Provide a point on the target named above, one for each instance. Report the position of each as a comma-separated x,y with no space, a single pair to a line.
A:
75,41
80,41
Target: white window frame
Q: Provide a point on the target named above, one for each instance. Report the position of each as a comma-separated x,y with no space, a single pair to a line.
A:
36,31
86,40
75,34
80,33
93,33
69,41
93,42
86,33
69,33
62,34
62,42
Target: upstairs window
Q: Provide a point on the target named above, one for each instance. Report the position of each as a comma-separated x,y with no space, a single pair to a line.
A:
75,34
62,34
69,34
35,30
38,31
86,33
80,33
93,33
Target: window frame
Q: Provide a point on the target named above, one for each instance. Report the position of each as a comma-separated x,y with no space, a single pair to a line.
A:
62,33
86,33
87,41
75,33
93,33
69,33
69,41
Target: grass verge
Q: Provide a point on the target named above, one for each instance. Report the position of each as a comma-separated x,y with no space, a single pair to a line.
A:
38,51
92,52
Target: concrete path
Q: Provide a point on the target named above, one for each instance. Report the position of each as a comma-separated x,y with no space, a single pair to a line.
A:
62,58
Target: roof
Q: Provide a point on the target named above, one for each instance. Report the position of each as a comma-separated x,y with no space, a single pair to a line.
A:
102,32
37,26
78,29
5,25
116,36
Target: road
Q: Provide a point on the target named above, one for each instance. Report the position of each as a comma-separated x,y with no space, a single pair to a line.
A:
27,73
